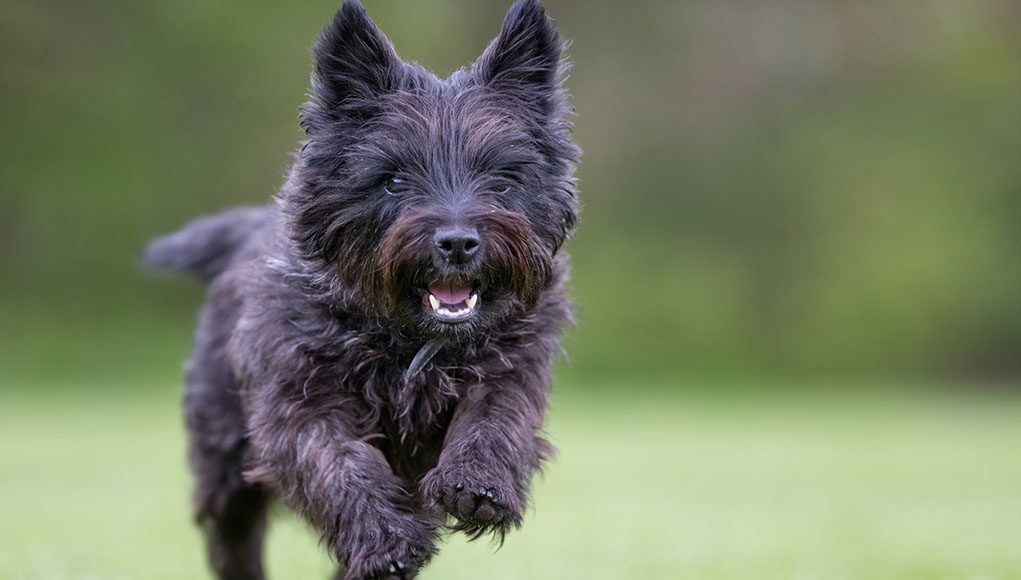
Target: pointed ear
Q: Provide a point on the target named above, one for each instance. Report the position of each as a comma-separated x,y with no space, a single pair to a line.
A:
354,65
525,57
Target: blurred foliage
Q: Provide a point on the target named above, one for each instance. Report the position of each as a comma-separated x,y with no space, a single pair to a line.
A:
771,187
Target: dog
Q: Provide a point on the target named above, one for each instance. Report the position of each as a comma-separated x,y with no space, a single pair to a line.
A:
377,343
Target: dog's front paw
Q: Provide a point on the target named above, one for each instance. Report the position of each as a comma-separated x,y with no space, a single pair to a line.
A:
392,554
393,570
401,564
478,507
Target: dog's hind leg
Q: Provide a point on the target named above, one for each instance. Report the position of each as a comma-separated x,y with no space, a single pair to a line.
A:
234,536
231,511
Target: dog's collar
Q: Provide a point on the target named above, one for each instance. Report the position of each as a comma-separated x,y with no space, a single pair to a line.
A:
422,358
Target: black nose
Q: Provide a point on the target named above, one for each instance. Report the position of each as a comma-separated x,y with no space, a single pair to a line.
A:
457,245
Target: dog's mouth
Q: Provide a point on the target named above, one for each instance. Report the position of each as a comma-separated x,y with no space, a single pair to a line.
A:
452,298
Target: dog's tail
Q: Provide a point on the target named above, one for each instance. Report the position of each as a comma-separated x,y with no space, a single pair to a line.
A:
207,245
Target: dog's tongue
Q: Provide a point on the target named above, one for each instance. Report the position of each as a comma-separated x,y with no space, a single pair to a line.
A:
451,291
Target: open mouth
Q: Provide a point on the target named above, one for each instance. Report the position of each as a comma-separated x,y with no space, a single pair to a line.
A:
452,298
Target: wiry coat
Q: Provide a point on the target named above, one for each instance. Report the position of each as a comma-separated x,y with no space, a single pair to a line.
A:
302,383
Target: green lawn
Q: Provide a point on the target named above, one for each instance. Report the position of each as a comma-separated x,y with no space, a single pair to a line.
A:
93,486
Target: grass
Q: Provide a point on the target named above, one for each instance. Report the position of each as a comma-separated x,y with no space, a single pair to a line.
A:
93,486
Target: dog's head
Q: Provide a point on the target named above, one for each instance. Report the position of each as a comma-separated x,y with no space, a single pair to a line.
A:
439,204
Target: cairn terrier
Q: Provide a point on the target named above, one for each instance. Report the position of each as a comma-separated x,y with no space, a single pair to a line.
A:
376,346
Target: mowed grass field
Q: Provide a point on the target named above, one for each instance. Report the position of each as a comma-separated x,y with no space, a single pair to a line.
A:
93,485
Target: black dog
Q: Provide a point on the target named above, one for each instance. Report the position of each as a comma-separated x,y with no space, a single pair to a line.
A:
376,347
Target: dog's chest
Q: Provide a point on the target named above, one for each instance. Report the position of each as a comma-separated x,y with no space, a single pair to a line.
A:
407,417
413,451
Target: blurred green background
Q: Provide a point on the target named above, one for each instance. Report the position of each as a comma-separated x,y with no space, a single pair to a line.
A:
771,188
797,270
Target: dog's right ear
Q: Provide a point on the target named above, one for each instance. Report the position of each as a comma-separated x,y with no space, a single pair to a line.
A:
354,64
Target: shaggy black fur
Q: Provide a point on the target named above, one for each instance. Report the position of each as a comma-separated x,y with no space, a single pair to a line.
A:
301,383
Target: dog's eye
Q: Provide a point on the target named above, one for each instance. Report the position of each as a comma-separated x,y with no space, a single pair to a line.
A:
394,185
502,188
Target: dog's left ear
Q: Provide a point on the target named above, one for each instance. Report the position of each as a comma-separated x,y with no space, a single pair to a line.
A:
524,60
354,65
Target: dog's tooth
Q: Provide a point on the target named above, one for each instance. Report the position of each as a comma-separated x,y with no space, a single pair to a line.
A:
434,302
471,301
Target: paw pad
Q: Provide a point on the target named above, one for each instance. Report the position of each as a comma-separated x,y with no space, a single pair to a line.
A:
478,507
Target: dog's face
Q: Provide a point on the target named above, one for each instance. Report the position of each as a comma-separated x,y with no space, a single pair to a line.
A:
437,204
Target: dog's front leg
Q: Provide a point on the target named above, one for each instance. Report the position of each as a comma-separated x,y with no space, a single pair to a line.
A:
343,486
492,448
